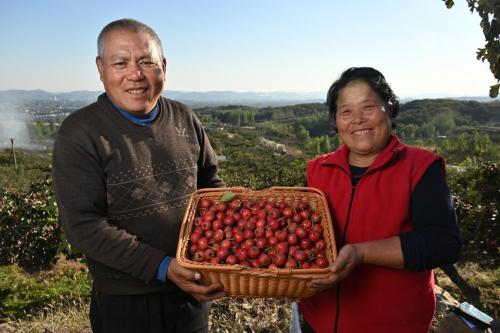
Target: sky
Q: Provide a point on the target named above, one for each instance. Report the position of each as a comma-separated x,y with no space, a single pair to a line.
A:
422,48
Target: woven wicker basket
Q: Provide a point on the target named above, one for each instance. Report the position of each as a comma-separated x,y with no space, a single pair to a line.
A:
260,282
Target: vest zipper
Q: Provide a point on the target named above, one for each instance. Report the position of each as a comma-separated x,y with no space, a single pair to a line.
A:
344,238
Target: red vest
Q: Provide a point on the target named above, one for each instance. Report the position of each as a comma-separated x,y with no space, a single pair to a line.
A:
373,298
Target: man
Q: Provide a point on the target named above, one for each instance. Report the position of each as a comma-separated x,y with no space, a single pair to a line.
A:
124,168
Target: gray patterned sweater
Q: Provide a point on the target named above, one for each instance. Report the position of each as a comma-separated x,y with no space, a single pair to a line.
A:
122,189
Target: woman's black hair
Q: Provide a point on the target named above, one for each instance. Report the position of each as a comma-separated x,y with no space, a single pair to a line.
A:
371,76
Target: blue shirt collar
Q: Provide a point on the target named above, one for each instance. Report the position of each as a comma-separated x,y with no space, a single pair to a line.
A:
145,120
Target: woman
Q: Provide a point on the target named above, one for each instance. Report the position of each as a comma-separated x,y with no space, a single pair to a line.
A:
393,216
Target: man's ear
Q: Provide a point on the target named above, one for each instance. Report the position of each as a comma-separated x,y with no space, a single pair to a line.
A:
164,66
100,67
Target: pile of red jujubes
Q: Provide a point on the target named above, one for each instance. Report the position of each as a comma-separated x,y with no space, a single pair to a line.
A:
261,234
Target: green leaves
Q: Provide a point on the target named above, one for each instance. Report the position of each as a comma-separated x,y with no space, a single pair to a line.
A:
228,196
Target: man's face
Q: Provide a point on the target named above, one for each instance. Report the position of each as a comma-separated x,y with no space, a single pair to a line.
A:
132,70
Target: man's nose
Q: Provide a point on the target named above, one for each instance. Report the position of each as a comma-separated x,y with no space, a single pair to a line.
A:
135,73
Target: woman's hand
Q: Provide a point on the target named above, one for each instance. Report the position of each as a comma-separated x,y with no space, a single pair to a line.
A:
348,258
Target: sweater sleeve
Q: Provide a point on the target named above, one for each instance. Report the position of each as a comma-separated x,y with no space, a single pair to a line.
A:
435,239
80,190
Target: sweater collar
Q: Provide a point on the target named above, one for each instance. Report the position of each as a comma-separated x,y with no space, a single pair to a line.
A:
340,156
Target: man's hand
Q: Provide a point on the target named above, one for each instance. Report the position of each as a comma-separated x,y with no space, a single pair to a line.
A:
189,281
349,257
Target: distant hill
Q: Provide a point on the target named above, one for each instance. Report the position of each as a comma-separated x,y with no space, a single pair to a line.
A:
199,99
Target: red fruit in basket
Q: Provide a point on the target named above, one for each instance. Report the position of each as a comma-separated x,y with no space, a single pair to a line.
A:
248,234
244,263
206,225
254,263
264,260
321,262
253,252
300,256
261,223
259,232
231,259
274,224
249,225
198,256
209,234
209,216
281,205
269,206
305,214
279,260
241,254
237,217
281,235
228,234
217,224
195,238
261,243
320,245
314,236
274,213
197,221
221,206
307,224
248,243
272,241
315,217
262,214
292,239
218,235
238,237
197,230
205,203
291,263
268,233
292,250
245,213
292,227
318,228
202,243
225,244
248,204
305,244
208,253
301,232
229,220
235,204
305,265
282,248
296,218
302,206
215,261
222,253
193,248
287,213
220,216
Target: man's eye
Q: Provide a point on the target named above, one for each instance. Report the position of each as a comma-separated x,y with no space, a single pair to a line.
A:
120,64
147,63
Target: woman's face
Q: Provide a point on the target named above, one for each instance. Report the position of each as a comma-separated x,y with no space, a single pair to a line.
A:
363,122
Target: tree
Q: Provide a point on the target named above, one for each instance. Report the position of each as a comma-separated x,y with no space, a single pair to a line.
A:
489,11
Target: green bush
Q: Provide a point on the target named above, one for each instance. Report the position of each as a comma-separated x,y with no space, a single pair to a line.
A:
29,233
476,188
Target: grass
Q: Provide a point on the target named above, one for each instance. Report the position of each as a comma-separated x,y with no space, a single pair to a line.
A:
56,301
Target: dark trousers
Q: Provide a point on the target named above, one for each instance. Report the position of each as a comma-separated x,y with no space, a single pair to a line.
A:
151,313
